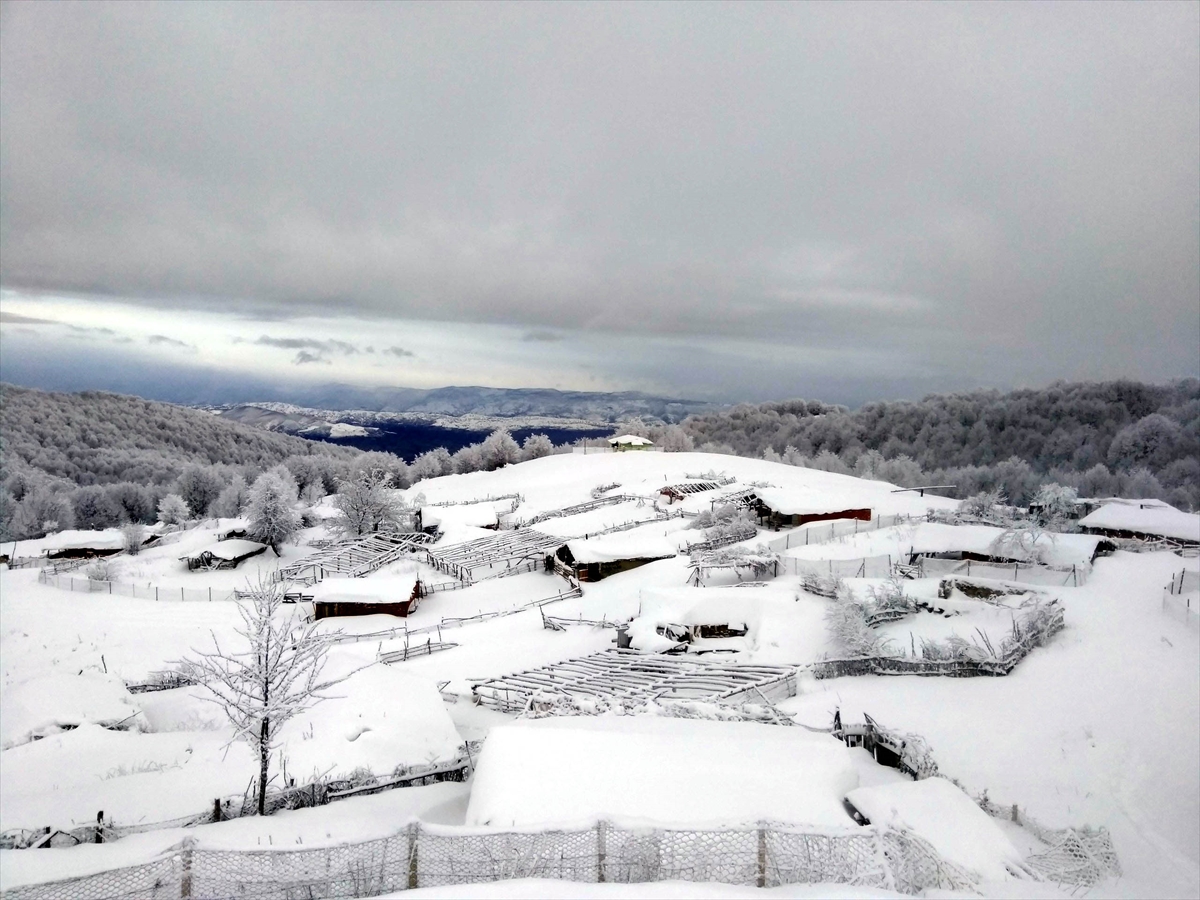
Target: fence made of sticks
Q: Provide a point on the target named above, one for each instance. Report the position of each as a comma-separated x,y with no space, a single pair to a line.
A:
765,855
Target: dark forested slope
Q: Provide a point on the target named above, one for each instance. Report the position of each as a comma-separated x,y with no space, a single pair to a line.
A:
1121,427
101,438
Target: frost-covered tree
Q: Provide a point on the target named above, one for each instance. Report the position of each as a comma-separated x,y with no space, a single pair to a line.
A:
136,502
1055,505
233,499
172,510
199,486
431,464
536,446
94,508
366,504
40,512
271,677
468,459
985,505
272,516
675,440
499,450
133,535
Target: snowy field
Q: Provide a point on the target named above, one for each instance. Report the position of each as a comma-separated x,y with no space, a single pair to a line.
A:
1100,727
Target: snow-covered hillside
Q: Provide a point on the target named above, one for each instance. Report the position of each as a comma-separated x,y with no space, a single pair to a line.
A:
1098,727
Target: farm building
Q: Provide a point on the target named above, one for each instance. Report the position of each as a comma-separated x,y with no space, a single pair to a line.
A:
90,544
389,595
223,554
623,442
697,621
566,769
1143,520
449,518
592,559
784,509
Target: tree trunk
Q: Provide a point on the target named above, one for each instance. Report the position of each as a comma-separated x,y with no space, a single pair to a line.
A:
264,757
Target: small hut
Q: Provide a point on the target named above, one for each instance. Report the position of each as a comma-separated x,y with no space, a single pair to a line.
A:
223,554
623,442
784,509
1144,520
596,558
389,595
91,544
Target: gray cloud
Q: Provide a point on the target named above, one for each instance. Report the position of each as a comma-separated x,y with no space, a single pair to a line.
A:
17,319
329,346
398,352
163,340
304,357
545,337
937,181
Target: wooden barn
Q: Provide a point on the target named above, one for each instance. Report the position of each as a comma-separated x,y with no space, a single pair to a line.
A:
623,442
388,595
228,554
595,558
785,509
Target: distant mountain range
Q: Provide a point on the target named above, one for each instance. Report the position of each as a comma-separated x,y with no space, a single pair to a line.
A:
466,407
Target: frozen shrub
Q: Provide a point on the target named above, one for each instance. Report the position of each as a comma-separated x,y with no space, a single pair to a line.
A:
172,510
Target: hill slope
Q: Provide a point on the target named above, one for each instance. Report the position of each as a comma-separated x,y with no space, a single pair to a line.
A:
99,438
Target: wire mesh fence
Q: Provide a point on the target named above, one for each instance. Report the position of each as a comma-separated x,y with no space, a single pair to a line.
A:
144,591
767,855
825,532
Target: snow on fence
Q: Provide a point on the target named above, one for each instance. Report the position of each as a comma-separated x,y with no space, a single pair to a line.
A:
860,567
766,855
519,545
838,528
488,499
1028,573
145,591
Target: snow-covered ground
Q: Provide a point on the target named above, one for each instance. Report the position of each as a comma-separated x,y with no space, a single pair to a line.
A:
1100,727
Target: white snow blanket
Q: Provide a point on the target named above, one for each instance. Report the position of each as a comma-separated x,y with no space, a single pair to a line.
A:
1145,517
474,515
658,770
228,550
51,703
630,440
940,812
107,539
371,589
380,719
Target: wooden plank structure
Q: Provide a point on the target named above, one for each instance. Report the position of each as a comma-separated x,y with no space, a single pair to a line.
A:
584,507
675,492
354,558
400,606
631,675
216,556
510,548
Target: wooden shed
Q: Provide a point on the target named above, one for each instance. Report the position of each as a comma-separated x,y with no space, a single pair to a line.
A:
1144,520
623,442
388,595
783,509
596,558
228,554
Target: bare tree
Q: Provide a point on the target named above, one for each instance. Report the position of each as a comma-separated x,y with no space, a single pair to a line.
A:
273,678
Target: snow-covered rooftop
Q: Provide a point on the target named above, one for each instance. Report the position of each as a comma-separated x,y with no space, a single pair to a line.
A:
475,515
1145,517
371,589
663,770
791,502
232,549
49,703
637,543
631,440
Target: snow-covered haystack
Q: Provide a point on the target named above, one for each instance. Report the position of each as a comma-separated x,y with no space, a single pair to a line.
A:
942,814
57,702
378,719
650,769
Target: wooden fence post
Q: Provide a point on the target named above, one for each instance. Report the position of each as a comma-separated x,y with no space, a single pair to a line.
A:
413,872
601,851
762,854
216,816
99,839
185,864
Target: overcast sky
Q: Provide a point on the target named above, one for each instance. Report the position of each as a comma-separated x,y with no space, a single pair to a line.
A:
840,201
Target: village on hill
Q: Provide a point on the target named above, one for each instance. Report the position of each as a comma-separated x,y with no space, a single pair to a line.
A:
622,666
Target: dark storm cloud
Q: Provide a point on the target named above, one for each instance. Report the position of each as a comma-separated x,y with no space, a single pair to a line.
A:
922,181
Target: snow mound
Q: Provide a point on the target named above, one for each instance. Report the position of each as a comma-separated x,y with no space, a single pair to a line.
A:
659,770
51,703
940,812
1145,517
378,719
